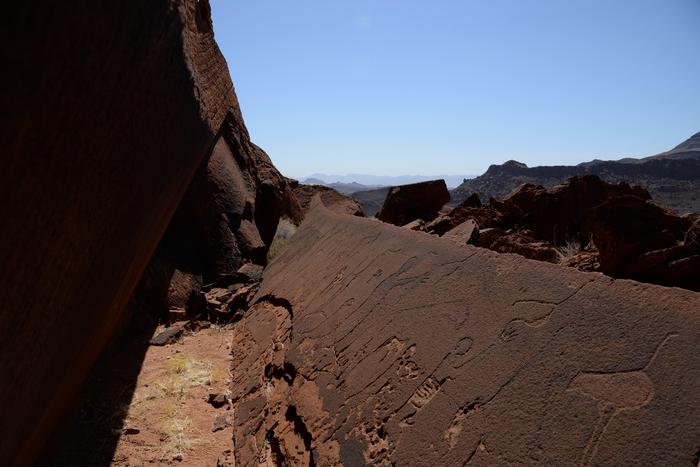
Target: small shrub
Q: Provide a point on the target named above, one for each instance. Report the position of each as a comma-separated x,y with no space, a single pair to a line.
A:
570,248
186,374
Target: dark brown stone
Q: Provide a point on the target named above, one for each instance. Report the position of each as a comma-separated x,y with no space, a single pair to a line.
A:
217,400
472,201
692,236
558,215
182,286
683,272
625,227
526,245
647,262
415,201
390,346
221,422
169,336
488,237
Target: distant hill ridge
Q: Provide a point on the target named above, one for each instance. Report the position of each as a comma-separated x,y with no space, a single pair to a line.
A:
672,177
377,181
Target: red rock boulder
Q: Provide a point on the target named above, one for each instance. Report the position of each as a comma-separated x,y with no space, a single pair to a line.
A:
625,227
558,215
415,201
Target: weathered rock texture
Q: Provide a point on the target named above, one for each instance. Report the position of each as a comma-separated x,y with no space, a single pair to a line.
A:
332,199
373,344
108,115
415,201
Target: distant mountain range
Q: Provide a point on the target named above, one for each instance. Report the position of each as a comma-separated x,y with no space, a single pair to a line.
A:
377,181
672,177
346,188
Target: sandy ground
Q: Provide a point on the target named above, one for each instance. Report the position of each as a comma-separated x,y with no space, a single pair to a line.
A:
169,420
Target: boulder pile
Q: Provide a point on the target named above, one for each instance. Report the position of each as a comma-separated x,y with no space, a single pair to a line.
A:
585,223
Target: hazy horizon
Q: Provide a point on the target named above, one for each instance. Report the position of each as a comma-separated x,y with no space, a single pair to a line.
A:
452,87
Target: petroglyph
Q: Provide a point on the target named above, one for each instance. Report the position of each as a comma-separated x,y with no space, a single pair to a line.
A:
614,392
425,393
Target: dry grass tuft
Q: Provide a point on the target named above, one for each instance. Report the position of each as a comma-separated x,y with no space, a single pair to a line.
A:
185,373
179,437
570,248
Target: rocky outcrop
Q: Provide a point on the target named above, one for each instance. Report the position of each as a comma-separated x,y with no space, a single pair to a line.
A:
588,224
638,239
415,201
332,199
364,341
557,215
523,243
110,114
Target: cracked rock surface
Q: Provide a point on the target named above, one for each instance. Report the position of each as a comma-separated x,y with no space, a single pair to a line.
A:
372,344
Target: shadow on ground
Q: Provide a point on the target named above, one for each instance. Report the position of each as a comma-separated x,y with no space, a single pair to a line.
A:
90,432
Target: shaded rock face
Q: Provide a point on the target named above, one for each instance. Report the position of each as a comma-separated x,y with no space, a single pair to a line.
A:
415,201
110,115
639,239
331,198
227,219
558,215
377,332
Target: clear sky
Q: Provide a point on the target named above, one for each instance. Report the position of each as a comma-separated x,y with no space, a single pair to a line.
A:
394,87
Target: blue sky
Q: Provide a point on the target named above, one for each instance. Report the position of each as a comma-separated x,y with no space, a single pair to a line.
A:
394,87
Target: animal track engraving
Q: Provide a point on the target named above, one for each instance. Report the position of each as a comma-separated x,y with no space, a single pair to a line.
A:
455,429
614,392
425,393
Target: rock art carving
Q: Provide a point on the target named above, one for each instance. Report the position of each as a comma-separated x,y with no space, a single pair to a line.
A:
420,351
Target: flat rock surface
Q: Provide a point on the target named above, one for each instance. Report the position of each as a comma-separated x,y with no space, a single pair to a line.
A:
373,344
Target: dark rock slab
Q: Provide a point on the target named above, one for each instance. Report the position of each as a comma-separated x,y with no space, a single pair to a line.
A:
624,227
415,201
373,344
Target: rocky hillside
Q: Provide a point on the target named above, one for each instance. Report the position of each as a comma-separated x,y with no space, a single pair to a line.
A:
672,178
